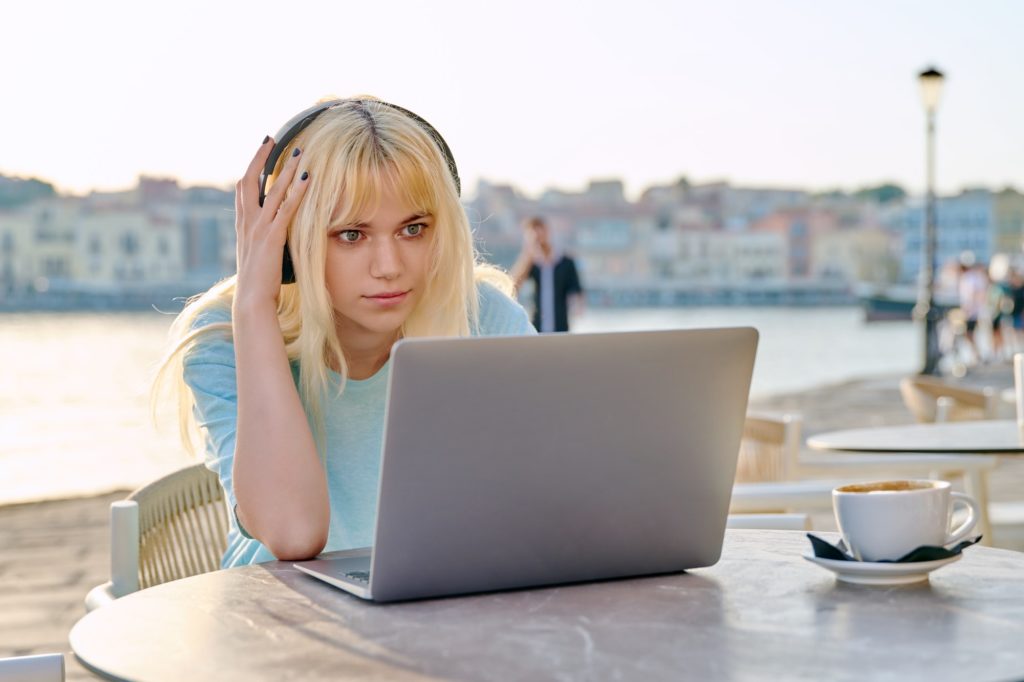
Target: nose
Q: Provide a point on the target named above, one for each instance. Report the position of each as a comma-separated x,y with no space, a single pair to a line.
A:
386,262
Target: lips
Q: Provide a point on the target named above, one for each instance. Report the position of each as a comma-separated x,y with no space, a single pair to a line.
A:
388,298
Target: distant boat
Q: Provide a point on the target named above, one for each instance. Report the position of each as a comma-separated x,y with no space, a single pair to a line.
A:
896,302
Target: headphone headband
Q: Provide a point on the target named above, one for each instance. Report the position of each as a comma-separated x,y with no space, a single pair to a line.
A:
296,124
300,121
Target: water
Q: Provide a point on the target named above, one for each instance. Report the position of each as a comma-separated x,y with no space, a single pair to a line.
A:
74,411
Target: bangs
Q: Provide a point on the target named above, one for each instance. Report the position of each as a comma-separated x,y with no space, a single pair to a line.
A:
360,192
369,166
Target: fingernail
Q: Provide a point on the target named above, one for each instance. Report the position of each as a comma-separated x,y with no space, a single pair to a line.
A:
266,139
305,175
296,152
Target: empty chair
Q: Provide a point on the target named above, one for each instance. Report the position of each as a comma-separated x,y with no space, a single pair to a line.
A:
172,528
768,447
765,478
934,400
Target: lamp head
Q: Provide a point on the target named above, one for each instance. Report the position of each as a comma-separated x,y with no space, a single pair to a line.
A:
930,80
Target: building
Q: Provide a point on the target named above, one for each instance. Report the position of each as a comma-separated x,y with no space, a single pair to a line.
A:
112,247
800,228
965,222
1008,221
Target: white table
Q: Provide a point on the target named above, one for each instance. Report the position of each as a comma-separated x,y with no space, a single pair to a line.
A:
963,438
761,613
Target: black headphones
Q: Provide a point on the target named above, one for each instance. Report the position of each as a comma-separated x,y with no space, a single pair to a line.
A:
301,120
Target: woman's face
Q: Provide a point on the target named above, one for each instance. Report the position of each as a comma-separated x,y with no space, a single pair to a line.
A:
377,269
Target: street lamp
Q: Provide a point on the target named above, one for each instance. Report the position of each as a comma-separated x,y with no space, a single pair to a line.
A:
930,81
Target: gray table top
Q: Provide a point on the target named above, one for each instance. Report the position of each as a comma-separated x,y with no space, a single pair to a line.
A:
761,613
967,437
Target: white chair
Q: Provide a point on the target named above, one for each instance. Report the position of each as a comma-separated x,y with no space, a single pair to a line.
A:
41,668
764,472
934,400
172,528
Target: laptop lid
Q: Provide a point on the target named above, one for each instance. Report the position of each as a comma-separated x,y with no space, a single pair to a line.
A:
521,461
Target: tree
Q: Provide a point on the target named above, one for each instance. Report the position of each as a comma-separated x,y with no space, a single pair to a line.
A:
16,191
882,194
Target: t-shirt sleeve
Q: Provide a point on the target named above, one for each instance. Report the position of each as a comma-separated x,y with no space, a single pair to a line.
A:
500,315
209,372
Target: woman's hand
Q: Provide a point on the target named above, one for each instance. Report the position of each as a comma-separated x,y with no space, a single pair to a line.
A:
531,246
261,231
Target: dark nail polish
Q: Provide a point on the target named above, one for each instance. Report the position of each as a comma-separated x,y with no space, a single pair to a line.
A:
304,176
296,152
266,139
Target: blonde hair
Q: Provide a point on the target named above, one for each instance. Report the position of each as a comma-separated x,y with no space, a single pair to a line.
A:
353,151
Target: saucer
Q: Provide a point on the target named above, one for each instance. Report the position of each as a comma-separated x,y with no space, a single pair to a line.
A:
881,573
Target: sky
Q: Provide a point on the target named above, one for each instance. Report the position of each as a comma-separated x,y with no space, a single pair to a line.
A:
790,93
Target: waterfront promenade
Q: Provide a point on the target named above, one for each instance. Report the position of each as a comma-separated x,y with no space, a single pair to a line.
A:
52,553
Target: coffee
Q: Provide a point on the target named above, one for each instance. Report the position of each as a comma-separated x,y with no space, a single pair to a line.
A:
886,520
886,486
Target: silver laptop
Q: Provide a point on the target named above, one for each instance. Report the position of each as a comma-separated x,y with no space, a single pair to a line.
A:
513,462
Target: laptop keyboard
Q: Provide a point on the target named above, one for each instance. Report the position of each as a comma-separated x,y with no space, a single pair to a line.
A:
359,576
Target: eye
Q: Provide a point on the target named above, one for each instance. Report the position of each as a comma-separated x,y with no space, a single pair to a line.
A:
414,230
349,236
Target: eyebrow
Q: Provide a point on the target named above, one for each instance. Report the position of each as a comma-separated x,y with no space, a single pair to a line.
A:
414,216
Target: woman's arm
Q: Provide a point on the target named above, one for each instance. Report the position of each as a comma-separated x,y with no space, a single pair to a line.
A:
279,482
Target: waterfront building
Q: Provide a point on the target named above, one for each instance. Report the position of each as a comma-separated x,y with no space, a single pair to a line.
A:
965,222
120,247
863,254
153,242
495,214
801,229
16,236
207,219
1008,221
37,246
718,258
724,207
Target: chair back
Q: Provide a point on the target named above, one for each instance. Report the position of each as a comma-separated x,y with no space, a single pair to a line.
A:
933,400
769,448
183,525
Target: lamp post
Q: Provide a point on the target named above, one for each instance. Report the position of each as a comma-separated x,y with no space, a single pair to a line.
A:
926,311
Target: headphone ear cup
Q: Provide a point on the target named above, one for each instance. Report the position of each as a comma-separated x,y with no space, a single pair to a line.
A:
287,269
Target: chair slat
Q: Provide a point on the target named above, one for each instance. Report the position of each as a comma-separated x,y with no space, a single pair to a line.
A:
183,525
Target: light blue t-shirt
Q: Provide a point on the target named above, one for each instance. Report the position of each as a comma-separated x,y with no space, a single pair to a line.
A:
354,428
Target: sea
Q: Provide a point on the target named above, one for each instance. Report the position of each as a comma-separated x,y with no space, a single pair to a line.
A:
75,415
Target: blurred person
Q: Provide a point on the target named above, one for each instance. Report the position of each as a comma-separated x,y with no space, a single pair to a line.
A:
999,301
556,281
1016,286
972,289
286,380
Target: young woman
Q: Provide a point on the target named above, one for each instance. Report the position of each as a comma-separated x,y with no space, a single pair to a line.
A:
286,380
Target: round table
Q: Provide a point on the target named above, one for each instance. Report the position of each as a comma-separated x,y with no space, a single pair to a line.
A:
762,612
967,437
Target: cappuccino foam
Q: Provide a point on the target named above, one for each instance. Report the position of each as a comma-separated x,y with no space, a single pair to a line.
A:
886,487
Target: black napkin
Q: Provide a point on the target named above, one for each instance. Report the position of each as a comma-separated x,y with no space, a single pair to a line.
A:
826,550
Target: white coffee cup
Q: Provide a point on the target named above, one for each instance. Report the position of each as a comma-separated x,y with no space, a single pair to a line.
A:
886,520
